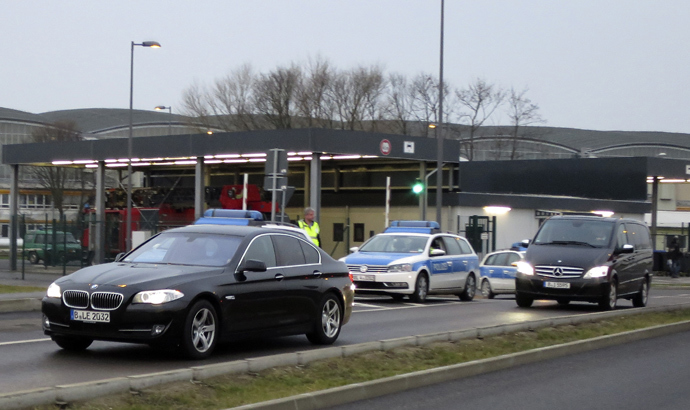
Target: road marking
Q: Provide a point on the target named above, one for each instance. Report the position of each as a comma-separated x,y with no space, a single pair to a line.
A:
671,296
18,342
365,305
376,308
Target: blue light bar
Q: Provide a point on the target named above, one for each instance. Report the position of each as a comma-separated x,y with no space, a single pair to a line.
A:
234,213
222,221
414,227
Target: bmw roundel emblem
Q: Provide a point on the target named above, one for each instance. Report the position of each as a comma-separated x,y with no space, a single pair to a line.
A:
93,287
363,268
558,272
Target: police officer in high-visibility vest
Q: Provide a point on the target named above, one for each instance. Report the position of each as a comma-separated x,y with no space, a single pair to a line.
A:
310,226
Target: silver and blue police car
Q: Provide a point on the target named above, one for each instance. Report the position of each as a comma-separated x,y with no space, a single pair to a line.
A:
415,259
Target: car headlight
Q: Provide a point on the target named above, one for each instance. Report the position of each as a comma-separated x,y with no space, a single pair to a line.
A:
597,272
524,268
157,297
54,291
403,267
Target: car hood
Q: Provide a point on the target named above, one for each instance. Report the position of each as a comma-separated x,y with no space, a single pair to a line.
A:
377,258
566,255
136,274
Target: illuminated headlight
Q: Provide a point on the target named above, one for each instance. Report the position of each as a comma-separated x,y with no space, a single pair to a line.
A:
54,291
597,272
403,267
525,268
157,297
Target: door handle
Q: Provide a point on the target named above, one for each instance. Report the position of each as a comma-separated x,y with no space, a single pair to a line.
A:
279,277
317,273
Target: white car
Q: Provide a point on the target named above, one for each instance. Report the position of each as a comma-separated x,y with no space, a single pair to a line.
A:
410,260
498,272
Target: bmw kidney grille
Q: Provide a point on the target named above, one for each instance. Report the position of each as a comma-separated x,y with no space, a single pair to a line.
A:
79,299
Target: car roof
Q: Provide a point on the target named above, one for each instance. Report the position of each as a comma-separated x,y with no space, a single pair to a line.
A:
237,230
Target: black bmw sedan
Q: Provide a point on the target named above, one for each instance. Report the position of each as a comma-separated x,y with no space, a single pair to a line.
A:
199,285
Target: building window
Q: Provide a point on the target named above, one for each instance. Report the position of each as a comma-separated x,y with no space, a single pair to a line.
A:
358,233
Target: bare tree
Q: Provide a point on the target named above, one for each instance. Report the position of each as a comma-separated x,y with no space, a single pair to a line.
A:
356,96
276,96
56,179
522,112
424,92
232,99
398,103
228,105
478,101
314,106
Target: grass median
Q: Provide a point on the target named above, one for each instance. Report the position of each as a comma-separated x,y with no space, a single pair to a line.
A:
21,289
238,389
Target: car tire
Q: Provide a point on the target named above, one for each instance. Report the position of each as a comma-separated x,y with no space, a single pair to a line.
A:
421,289
640,299
523,301
486,290
608,301
563,302
328,323
33,258
470,289
73,344
200,331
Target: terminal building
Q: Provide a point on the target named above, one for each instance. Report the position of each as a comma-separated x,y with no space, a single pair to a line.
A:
358,181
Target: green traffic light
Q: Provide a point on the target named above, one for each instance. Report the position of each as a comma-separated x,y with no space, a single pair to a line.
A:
418,187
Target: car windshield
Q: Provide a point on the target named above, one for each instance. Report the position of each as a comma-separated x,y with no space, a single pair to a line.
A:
395,244
589,233
187,249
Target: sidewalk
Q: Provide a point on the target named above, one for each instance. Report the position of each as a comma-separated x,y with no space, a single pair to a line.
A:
34,275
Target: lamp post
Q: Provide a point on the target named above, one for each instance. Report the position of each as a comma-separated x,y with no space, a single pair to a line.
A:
439,132
163,107
152,44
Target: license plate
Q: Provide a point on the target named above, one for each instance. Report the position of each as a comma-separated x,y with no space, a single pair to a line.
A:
363,278
557,285
89,316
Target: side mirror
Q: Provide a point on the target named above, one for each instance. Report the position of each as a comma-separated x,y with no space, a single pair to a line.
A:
119,256
525,243
354,249
437,252
627,248
253,265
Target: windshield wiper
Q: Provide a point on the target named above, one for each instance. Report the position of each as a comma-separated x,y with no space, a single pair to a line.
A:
569,243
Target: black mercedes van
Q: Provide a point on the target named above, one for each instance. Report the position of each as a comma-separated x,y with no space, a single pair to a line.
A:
587,258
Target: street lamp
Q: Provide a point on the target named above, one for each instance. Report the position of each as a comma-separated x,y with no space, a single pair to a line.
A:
439,132
151,44
163,107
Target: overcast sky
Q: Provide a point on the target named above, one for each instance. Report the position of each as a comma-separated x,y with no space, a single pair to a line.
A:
589,64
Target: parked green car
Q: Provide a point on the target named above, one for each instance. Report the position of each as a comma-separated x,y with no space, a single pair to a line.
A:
38,246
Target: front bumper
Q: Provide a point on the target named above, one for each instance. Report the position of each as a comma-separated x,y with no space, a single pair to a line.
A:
588,290
139,323
395,282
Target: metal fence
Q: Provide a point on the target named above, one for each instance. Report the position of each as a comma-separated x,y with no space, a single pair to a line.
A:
60,243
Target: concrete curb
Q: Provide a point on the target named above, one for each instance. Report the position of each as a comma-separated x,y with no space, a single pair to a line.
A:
81,391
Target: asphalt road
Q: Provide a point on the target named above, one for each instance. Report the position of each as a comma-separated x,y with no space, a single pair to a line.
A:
34,361
648,374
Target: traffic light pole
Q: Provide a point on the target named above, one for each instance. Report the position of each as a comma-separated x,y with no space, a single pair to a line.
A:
426,193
